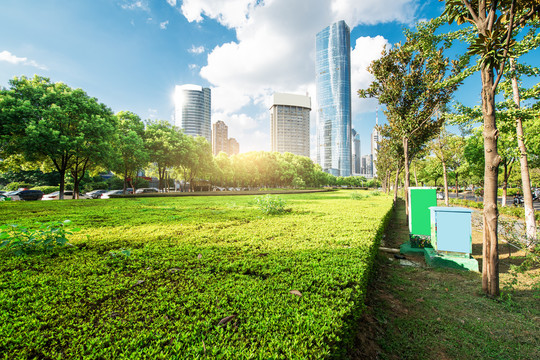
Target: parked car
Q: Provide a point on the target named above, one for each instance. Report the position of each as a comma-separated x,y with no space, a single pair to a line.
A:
146,190
3,197
440,196
68,195
108,194
26,195
96,194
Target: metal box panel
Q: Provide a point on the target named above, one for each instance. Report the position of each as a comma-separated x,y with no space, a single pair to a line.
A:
420,200
451,229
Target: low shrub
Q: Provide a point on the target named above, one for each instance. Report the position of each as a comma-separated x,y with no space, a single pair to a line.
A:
19,239
270,205
358,195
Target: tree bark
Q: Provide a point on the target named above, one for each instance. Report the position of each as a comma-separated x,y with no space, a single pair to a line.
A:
415,177
396,185
406,175
490,263
530,222
445,177
457,186
505,184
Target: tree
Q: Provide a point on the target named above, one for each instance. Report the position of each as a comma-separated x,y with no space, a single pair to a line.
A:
51,121
441,148
198,162
412,81
131,153
495,23
167,147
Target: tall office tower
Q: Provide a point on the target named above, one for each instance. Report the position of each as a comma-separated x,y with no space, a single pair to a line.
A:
192,105
220,138
234,147
333,67
289,123
367,166
375,137
355,152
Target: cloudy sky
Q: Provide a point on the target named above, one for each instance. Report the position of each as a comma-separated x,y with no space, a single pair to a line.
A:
131,53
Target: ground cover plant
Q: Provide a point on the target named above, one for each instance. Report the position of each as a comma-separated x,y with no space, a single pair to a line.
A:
191,277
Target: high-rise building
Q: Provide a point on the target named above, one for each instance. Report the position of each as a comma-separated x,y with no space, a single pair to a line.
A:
220,138
192,110
356,152
289,123
234,147
367,166
333,75
375,137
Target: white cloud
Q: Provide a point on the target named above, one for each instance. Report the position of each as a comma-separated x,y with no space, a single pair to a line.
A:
365,51
15,60
172,2
197,50
135,5
275,47
163,25
152,113
193,67
230,13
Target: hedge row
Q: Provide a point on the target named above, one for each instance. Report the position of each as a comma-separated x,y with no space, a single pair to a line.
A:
192,277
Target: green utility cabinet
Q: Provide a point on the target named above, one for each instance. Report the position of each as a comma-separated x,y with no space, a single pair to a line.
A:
451,230
420,200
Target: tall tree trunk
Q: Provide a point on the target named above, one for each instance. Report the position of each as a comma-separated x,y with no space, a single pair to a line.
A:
406,175
530,222
505,183
457,186
445,176
415,177
125,180
388,175
396,183
490,253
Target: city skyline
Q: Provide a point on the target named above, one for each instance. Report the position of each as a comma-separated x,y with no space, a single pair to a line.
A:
130,54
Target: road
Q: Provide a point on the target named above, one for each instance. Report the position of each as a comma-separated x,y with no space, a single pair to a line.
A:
471,196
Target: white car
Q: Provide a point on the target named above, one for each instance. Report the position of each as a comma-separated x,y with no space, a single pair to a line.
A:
440,196
68,195
108,194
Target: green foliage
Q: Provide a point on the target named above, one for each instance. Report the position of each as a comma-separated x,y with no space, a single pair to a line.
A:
16,186
46,189
290,286
358,195
270,205
44,237
509,192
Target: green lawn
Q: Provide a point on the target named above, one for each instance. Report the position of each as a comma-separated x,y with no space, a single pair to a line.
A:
154,277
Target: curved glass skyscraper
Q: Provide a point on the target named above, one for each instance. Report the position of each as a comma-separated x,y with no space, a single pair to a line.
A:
192,110
333,66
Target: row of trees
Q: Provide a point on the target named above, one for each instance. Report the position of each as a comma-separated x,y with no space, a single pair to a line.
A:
415,81
53,127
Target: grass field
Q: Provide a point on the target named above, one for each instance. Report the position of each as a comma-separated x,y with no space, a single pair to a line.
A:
197,277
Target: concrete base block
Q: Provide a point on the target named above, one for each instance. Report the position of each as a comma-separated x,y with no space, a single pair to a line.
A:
407,249
435,259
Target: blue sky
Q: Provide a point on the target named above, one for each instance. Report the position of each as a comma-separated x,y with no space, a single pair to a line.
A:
131,53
